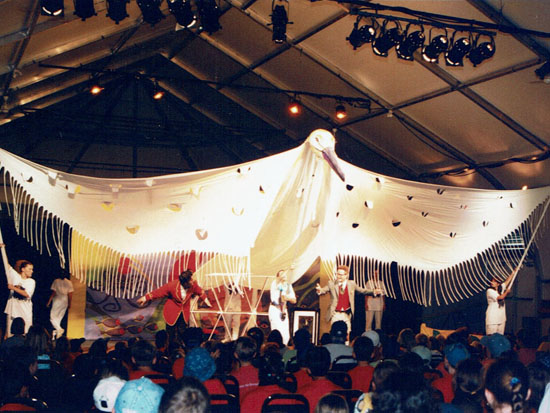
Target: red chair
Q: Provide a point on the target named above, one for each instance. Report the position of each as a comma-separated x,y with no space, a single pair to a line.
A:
288,403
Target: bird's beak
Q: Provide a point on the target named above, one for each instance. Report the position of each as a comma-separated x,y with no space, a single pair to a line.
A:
332,159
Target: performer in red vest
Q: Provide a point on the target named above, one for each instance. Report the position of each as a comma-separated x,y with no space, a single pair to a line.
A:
177,309
342,296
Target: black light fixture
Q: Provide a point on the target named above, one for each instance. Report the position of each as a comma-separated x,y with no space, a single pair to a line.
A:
279,20
481,50
182,11
543,72
412,42
361,35
84,9
209,14
116,10
150,9
459,48
340,112
438,45
52,7
387,39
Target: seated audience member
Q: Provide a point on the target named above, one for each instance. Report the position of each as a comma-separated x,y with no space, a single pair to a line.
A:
404,391
338,336
332,403
143,358
496,344
276,337
406,340
200,365
545,403
106,392
14,388
139,396
192,337
17,338
302,375
39,341
468,386
186,395
374,336
302,341
507,387
539,377
437,355
325,339
245,373
454,354
318,364
256,334
421,339
382,371
425,354
271,375
361,375
526,345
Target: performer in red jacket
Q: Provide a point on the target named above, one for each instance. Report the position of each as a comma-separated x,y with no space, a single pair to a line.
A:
177,309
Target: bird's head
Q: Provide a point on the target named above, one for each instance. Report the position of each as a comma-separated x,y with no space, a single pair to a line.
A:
322,142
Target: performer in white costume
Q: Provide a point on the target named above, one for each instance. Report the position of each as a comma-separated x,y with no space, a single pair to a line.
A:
374,305
21,287
495,317
61,297
281,292
232,305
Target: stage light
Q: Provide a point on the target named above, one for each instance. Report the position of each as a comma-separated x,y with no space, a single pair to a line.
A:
543,72
459,49
96,90
209,14
158,94
84,9
361,35
182,11
437,45
150,9
279,20
116,10
387,39
481,51
52,7
413,41
340,112
294,107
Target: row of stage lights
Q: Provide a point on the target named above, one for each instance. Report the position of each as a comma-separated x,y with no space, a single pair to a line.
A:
383,37
205,11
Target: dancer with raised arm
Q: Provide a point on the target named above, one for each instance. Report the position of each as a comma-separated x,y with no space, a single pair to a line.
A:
495,317
281,293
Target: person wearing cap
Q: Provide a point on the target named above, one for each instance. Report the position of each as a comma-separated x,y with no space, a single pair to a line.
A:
342,296
281,293
374,305
496,344
337,346
495,317
106,392
454,354
200,365
177,309
139,396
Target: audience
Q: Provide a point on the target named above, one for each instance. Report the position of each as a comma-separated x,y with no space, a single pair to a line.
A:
186,395
507,387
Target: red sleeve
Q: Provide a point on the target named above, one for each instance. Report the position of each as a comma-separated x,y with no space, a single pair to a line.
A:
198,291
164,291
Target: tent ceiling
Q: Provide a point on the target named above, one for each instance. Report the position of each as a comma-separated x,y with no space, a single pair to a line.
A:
221,106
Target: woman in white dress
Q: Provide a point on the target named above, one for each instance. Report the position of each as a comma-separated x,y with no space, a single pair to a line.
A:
281,292
62,295
21,287
495,317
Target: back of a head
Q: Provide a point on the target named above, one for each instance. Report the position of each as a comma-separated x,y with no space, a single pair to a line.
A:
276,337
302,338
271,368
411,362
318,361
17,326
143,353
363,348
257,335
161,339
382,371
508,384
192,337
469,377
245,349
406,338
38,340
186,395
332,403
339,332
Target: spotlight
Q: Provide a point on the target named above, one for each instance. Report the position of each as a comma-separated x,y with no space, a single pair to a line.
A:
340,112
294,108
543,72
387,39
96,90
181,9
84,9
481,51
52,7
279,20
459,49
150,9
209,13
413,41
116,10
361,35
158,94
437,45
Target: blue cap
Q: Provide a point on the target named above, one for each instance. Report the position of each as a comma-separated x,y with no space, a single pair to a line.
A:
199,364
497,344
455,353
139,396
